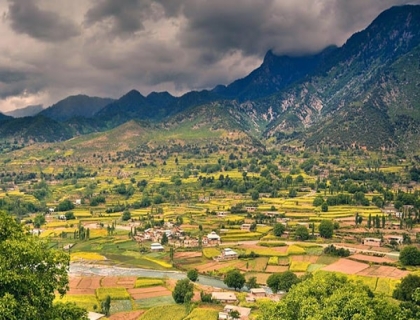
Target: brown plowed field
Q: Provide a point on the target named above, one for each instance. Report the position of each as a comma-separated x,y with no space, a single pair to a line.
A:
383,272
184,255
123,282
132,315
364,257
273,269
346,266
143,293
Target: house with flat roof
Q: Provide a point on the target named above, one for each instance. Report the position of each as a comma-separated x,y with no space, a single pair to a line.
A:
224,297
374,242
156,246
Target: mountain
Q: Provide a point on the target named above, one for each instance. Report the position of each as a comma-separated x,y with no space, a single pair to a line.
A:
3,117
348,88
35,129
155,107
75,106
274,74
28,111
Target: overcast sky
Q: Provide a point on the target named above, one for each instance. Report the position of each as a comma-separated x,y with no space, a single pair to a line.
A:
52,49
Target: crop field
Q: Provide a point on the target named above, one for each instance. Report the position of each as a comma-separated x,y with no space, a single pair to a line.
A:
171,312
202,313
182,186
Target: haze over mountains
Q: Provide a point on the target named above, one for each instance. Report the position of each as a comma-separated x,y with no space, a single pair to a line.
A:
365,93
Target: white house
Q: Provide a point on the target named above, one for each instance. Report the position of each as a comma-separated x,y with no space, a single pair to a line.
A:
156,246
226,297
213,236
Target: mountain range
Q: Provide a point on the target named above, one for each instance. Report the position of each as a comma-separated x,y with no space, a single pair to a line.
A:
362,94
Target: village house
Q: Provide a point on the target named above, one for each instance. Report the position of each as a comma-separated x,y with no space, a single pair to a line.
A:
155,247
243,312
78,202
227,254
211,239
250,209
258,292
246,227
398,239
374,242
222,214
224,297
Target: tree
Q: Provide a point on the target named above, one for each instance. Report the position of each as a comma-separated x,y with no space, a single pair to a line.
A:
234,279
39,220
326,229
69,215
302,233
65,205
255,195
234,314
164,239
318,201
410,256
106,305
192,275
31,273
282,281
126,215
406,288
324,207
252,283
330,296
181,290
279,229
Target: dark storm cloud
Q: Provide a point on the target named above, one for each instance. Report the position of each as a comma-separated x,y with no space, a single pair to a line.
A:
38,23
287,26
125,17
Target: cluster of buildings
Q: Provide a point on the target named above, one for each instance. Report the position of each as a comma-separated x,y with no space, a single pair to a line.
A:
176,238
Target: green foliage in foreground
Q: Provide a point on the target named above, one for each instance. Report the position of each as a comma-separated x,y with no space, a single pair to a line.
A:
331,296
30,273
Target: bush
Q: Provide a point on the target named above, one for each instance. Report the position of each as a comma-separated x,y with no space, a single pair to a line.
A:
333,251
192,275
410,256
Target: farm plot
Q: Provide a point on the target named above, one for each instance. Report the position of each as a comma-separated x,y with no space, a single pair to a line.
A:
384,272
150,292
131,315
153,302
84,286
346,266
363,257
187,255
123,282
274,269
173,312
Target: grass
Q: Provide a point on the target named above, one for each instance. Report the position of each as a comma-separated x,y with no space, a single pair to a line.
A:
153,302
295,250
171,312
91,256
148,282
210,253
299,266
114,293
202,313
120,306
87,301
